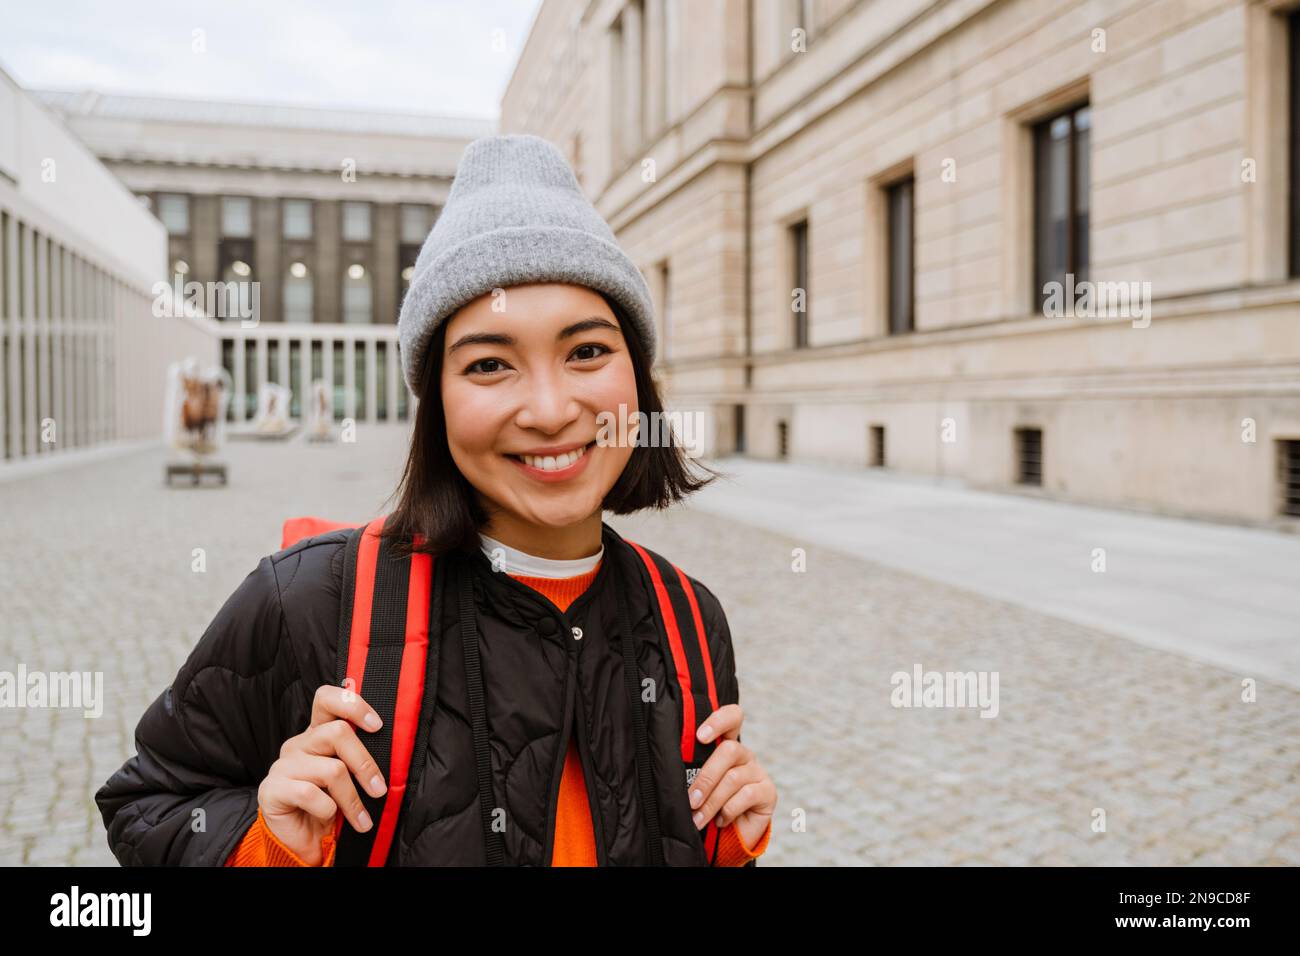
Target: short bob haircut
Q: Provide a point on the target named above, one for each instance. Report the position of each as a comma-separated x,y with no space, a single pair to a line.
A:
436,501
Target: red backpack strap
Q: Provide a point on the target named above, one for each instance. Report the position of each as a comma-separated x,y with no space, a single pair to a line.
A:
295,529
384,626
682,627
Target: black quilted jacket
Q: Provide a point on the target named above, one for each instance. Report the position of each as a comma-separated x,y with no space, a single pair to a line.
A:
205,744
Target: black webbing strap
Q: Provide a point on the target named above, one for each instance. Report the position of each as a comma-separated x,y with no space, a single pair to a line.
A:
478,716
682,634
644,764
346,595
379,688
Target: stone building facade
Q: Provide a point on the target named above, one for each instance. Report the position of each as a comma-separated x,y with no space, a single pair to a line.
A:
1041,246
325,209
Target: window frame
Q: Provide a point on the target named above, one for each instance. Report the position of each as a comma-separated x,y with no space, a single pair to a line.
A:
798,234
1040,140
222,232
370,220
892,190
290,282
284,219
406,208
184,199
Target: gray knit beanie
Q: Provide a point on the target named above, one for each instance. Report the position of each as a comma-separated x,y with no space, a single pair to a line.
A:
515,215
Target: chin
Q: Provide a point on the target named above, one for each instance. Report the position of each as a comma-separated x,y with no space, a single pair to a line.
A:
561,516
556,510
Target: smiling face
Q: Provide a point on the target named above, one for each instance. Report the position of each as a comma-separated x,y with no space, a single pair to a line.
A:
521,392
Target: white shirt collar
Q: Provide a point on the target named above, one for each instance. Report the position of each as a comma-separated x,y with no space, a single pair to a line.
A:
514,561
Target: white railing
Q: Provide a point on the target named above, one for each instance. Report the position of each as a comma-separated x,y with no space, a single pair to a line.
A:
84,348
359,364
84,356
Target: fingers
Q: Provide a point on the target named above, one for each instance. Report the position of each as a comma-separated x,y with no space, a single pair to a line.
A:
757,796
328,774
284,794
704,798
723,722
332,703
339,739
731,783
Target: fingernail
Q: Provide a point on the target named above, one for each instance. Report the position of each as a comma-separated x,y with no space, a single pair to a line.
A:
377,784
705,732
696,797
365,821
699,820
373,721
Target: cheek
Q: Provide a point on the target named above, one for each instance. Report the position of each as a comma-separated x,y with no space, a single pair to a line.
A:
616,388
608,394
473,420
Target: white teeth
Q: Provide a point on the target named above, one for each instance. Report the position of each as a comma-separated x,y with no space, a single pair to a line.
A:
554,462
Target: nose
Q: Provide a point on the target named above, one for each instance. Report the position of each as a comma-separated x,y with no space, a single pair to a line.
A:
549,404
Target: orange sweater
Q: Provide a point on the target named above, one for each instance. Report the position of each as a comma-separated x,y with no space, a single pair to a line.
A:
575,839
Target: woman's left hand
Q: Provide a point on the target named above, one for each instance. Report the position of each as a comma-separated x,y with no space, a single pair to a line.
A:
732,785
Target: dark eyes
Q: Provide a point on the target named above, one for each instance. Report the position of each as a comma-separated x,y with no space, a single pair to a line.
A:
489,366
478,366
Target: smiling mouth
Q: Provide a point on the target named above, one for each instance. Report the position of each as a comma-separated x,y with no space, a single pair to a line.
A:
554,462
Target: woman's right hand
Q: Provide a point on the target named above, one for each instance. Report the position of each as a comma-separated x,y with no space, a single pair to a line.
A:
312,780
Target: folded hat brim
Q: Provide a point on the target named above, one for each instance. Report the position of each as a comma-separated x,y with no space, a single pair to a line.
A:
511,256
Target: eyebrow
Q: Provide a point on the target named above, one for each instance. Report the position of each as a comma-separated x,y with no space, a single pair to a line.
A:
501,338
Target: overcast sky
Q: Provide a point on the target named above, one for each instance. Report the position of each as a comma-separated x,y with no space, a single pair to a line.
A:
426,56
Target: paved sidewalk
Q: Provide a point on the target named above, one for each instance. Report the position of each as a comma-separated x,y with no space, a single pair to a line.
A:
1218,593
97,574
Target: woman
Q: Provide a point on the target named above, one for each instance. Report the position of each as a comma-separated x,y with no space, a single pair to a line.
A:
524,330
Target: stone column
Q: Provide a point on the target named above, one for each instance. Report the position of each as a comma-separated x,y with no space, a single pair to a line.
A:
268,270
386,239
328,290
205,233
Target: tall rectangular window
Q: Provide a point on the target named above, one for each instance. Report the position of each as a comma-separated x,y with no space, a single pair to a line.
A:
298,293
643,64
356,295
799,271
617,92
236,217
356,221
297,218
1061,199
174,211
901,241
416,221
655,19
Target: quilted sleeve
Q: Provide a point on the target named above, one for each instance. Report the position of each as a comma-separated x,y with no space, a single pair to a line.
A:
718,634
204,745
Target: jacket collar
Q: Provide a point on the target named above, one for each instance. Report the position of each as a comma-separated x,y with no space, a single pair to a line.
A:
499,586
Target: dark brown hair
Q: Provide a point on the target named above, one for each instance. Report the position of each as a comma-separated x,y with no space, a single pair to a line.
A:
436,501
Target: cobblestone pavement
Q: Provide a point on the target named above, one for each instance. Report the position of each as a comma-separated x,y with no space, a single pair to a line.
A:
96,574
